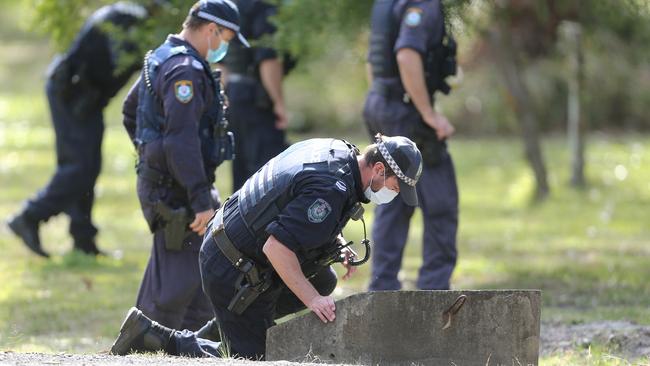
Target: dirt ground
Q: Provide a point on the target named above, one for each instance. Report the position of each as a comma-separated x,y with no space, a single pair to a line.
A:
626,339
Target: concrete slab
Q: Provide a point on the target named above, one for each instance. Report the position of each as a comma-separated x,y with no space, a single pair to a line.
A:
417,328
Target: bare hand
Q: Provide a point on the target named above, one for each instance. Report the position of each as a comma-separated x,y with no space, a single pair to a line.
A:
350,270
201,220
281,119
324,307
441,124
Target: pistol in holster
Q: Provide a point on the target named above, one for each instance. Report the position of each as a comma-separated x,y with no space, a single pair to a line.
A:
174,222
250,285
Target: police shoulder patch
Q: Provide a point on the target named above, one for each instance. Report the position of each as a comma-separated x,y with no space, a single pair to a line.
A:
183,91
413,17
318,211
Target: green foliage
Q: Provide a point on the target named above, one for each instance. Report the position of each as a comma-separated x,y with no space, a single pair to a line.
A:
305,26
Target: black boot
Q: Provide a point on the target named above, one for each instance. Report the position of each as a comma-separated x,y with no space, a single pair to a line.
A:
140,334
88,247
210,331
27,229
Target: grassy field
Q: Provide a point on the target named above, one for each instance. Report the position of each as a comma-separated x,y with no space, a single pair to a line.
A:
587,250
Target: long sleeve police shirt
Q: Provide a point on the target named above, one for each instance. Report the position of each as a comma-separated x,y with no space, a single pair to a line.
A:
186,94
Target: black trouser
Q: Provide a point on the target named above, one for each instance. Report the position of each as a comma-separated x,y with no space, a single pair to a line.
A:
437,196
171,292
245,333
257,140
78,150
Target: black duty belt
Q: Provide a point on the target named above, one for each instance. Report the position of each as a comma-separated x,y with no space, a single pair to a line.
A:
154,176
251,283
390,92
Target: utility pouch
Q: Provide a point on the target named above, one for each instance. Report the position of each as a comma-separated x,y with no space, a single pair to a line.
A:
174,222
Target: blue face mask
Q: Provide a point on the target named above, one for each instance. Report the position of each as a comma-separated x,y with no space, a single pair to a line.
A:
217,55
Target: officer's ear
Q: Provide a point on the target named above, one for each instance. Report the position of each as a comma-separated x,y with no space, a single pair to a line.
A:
379,168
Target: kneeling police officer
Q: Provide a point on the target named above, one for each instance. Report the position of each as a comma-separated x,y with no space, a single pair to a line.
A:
267,251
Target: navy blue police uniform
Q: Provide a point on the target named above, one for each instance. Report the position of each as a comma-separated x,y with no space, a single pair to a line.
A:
417,25
80,84
173,114
250,111
303,197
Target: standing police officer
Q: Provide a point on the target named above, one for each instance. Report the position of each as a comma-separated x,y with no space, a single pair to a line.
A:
254,88
174,115
80,84
409,57
268,250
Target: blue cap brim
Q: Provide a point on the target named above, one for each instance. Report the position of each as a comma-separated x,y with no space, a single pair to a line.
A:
243,40
408,193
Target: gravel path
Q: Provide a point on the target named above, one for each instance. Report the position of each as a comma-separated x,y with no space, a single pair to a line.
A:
30,359
627,339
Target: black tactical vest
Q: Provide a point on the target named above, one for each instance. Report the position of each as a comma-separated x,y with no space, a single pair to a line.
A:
439,61
267,192
150,119
383,34
239,59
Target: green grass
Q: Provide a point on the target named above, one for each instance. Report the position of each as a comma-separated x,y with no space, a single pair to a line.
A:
587,249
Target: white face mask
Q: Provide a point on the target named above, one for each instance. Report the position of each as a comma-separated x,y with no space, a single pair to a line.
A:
382,196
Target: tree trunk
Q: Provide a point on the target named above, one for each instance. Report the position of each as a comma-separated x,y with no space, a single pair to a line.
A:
511,70
573,34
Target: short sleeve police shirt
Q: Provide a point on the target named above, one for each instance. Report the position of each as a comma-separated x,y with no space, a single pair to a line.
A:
421,24
311,220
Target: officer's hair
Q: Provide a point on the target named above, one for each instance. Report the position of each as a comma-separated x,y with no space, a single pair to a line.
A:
193,22
372,155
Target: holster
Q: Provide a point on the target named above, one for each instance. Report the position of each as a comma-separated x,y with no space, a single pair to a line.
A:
247,292
432,149
252,281
174,222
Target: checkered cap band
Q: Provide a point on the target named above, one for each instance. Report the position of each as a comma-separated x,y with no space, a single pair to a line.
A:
393,164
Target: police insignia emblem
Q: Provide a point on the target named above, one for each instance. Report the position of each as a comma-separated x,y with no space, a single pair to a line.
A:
183,90
318,211
413,17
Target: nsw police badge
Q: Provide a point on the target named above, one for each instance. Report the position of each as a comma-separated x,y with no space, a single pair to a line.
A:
318,211
183,91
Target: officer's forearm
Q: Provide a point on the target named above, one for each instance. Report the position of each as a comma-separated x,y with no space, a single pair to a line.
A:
286,264
411,71
271,74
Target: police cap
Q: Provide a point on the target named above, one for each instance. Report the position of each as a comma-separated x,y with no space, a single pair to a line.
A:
222,12
404,158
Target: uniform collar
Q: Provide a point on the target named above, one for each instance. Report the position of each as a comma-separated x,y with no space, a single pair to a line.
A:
358,185
178,41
